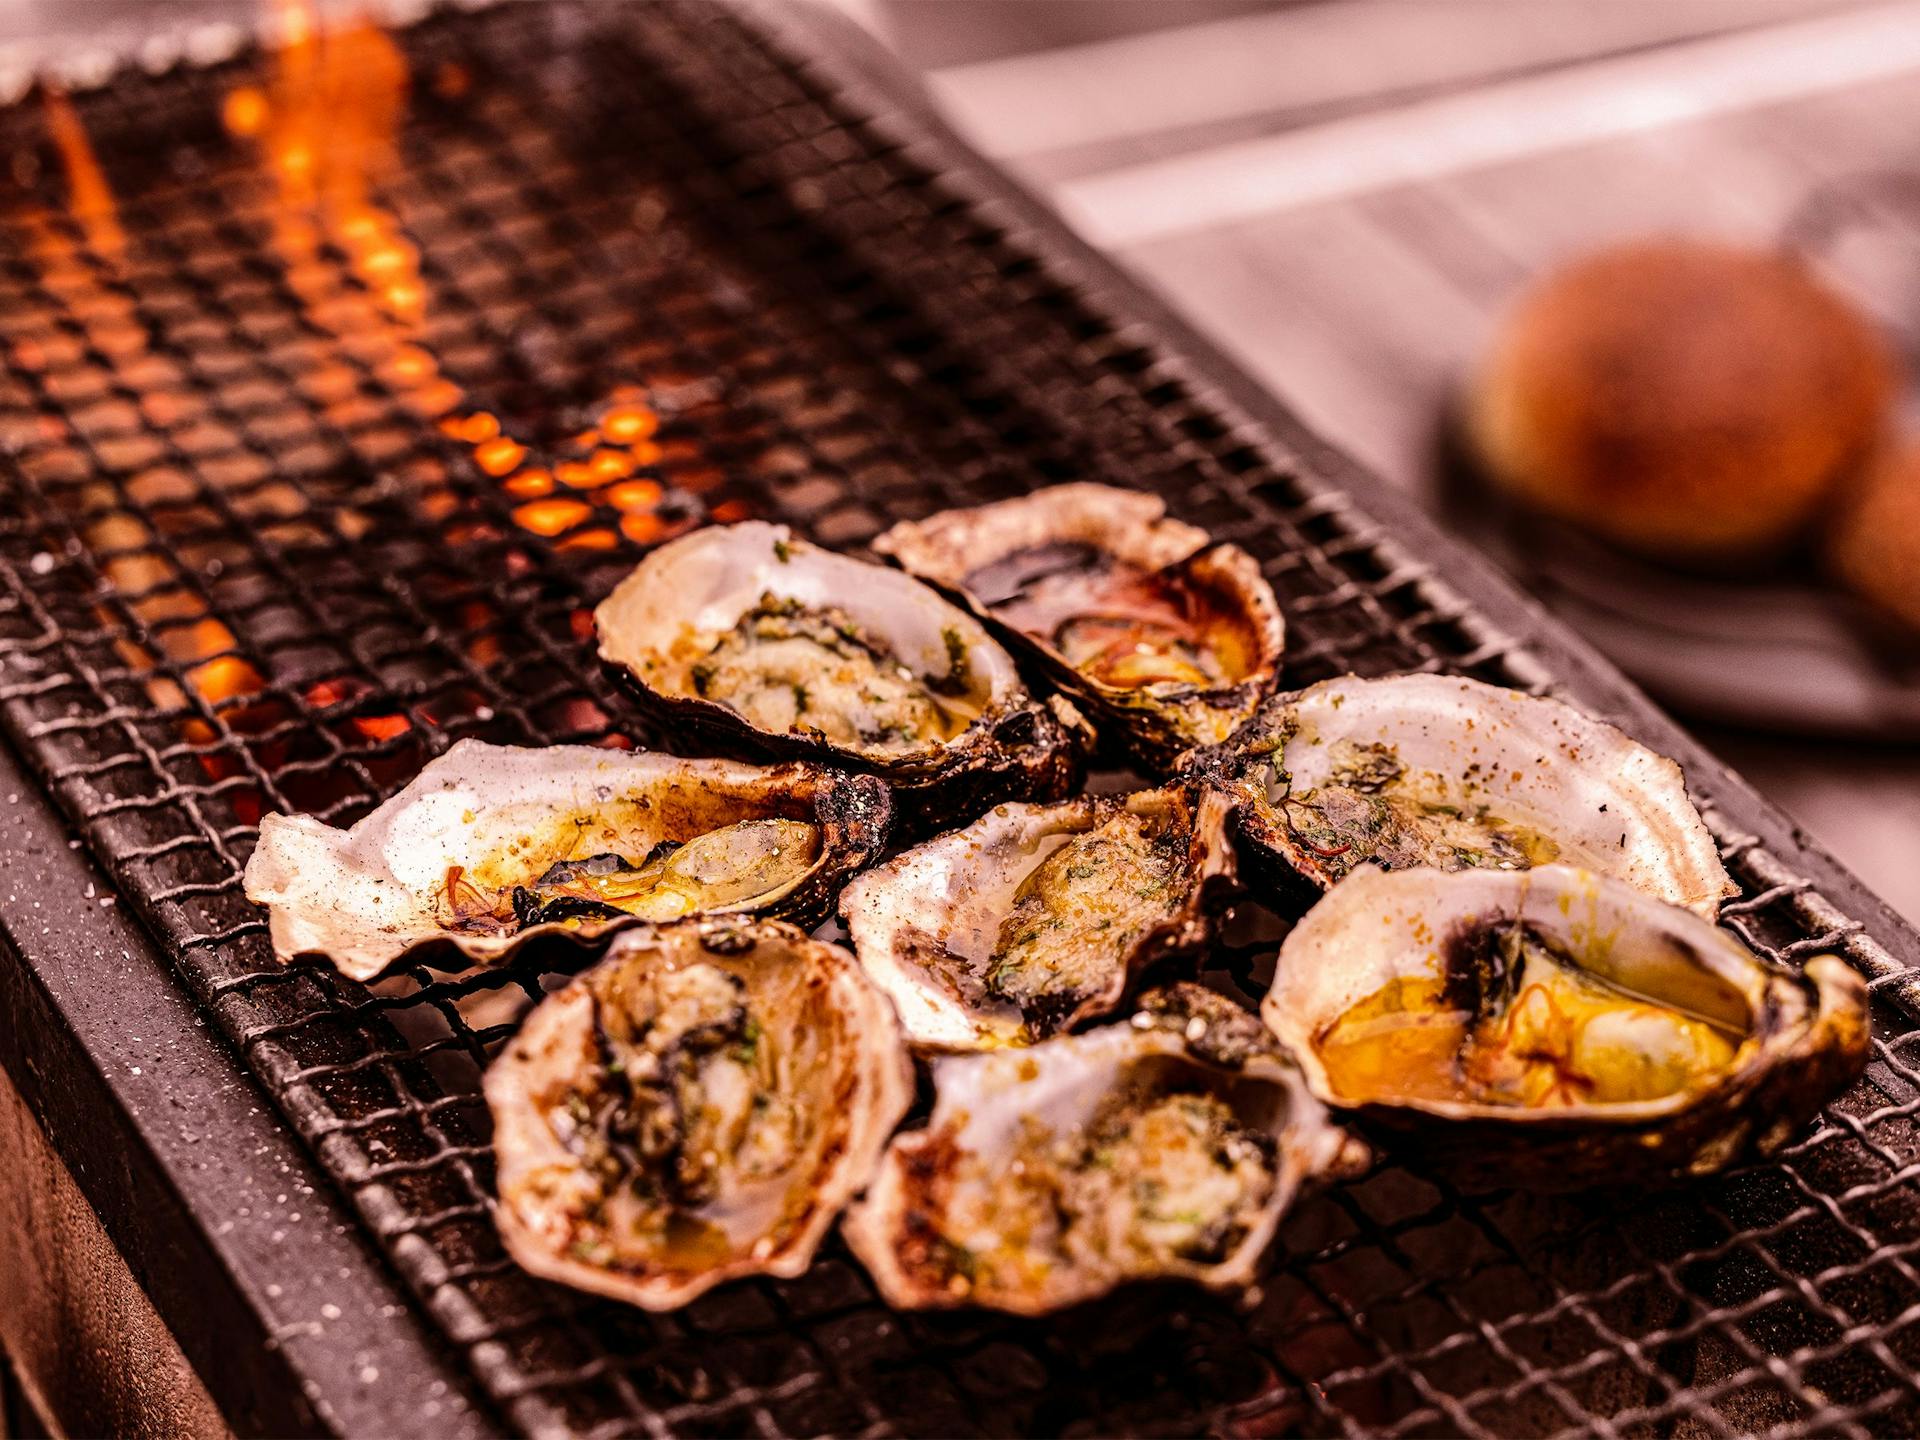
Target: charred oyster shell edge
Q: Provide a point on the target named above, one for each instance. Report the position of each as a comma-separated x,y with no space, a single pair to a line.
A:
1618,806
871,1085
974,875
994,1117
1150,726
700,586
370,895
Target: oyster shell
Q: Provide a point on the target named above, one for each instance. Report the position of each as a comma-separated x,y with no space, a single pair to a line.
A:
1035,918
1168,641
1438,770
1556,1028
696,1107
491,844
1048,1176
755,636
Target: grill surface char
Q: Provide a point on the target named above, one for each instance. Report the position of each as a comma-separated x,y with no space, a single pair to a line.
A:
258,551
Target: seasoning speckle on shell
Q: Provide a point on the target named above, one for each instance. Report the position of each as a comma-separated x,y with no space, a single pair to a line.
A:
1048,1176
1555,1028
1167,640
697,1107
1443,771
1037,918
491,844
752,637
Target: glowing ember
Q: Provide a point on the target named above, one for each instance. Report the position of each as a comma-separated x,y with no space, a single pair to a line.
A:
324,125
550,517
628,424
475,429
529,484
164,600
634,495
499,456
327,125
643,529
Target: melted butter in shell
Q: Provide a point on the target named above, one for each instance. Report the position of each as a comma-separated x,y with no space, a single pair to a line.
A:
723,869
1077,915
1117,624
1157,1177
791,668
1371,810
689,1126
1556,1037
1176,1178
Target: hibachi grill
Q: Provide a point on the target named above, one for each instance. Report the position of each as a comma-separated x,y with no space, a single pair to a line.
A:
340,378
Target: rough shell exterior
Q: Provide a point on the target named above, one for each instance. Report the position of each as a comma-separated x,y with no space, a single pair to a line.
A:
1150,725
944,900
905,1228
700,585
857,1092
1610,802
366,896
1811,1029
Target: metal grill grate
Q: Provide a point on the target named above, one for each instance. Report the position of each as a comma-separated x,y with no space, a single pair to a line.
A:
313,470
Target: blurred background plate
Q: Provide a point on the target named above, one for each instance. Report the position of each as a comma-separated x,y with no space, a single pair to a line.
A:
1783,652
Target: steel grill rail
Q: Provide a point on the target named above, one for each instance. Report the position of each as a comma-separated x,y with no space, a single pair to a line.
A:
299,490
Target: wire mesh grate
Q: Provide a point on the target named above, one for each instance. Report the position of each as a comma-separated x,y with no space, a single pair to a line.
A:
317,458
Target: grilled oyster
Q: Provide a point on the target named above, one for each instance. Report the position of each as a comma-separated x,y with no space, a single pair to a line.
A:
757,637
1047,1176
696,1107
1557,1028
490,844
1035,918
1437,770
1168,641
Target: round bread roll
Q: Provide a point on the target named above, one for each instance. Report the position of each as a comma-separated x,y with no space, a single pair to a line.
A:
1682,399
1873,538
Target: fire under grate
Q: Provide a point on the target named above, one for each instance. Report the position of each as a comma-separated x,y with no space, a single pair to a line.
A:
321,442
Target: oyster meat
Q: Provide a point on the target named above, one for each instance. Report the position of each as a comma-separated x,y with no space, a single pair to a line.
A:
754,636
1557,1028
696,1107
1035,918
1441,771
1167,640
1049,1175
491,844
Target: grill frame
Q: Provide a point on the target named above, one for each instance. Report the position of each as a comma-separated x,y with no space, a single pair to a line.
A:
1173,390
215,1205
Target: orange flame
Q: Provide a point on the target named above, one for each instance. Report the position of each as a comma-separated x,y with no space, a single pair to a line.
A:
88,194
327,125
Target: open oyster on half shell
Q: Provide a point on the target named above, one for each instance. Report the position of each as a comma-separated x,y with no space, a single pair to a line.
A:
1168,641
1036,918
696,1107
1165,1148
755,636
492,844
1557,1028
1442,771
